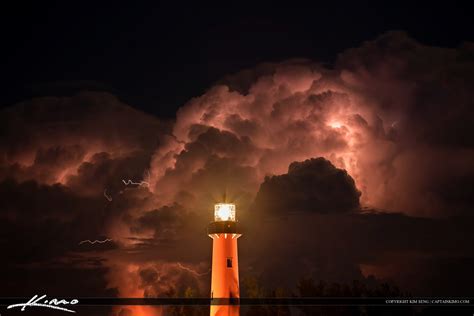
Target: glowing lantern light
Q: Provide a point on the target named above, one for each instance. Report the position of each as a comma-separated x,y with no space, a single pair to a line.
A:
224,212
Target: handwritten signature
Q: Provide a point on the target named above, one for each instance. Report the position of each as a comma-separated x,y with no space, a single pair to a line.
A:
40,301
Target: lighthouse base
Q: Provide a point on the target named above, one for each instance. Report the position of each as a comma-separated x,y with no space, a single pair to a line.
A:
225,273
225,310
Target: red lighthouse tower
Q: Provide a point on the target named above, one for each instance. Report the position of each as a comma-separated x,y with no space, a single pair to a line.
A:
225,264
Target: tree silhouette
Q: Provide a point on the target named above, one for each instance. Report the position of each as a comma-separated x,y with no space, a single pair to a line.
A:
307,287
189,292
252,289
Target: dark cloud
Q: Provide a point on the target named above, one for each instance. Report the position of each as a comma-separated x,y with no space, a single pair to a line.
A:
165,223
148,276
59,155
312,185
34,216
298,228
40,230
46,139
105,171
342,247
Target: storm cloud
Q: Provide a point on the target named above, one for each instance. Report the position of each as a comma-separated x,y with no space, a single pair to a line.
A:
314,185
362,169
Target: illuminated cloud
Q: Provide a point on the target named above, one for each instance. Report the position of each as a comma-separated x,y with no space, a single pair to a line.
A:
381,113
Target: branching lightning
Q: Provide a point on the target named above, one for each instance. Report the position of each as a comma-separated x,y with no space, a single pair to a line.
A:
192,271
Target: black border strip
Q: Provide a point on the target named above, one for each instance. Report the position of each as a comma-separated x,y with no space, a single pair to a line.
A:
291,301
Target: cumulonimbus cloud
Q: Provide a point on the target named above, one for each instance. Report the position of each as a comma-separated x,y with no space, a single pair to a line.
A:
373,115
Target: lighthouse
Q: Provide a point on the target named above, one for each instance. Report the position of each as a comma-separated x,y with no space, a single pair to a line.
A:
225,264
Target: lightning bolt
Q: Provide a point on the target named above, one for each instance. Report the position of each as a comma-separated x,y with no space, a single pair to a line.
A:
108,197
192,271
141,183
95,241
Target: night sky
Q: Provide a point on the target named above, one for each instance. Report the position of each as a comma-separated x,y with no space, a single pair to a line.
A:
157,57
343,133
